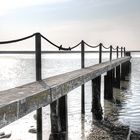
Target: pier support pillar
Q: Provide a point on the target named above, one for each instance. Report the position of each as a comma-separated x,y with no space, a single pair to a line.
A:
63,113
96,105
128,63
108,86
59,121
113,76
117,81
83,99
127,67
123,71
55,118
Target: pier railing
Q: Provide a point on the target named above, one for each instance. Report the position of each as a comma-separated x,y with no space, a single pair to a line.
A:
36,95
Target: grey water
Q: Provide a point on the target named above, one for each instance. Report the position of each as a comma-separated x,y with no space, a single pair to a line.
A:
17,70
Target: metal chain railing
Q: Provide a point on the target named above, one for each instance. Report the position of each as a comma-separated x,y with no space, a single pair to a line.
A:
91,45
17,40
60,47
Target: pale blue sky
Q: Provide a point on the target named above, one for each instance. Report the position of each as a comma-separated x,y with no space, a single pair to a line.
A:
67,22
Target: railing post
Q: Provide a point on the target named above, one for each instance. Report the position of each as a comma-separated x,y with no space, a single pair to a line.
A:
110,52
82,54
100,53
38,56
108,84
83,86
121,51
96,91
117,52
100,61
38,77
117,80
113,70
124,52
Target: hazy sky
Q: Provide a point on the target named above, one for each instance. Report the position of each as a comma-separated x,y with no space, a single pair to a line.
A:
67,22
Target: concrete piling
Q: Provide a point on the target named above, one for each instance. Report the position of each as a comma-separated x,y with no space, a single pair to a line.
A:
117,80
108,86
123,71
63,113
128,62
59,118
96,104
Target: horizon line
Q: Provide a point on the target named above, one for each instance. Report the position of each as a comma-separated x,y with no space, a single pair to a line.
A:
30,52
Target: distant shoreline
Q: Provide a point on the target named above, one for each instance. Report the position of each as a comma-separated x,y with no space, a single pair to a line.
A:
50,52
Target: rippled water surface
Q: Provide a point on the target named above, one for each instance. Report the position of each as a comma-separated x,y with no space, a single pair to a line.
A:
130,112
20,69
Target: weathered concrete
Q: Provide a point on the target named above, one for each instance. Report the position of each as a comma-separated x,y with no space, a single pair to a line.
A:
17,102
108,85
113,76
117,80
59,120
55,117
123,71
96,104
63,113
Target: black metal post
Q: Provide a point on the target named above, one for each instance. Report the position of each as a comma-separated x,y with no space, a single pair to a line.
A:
38,77
38,56
124,52
121,52
108,81
82,54
117,80
99,77
117,52
100,53
110,53
83,86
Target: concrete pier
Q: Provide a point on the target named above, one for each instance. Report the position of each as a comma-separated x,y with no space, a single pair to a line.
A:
18,102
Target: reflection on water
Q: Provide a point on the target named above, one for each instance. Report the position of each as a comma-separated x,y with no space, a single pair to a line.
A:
18,70
130,112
